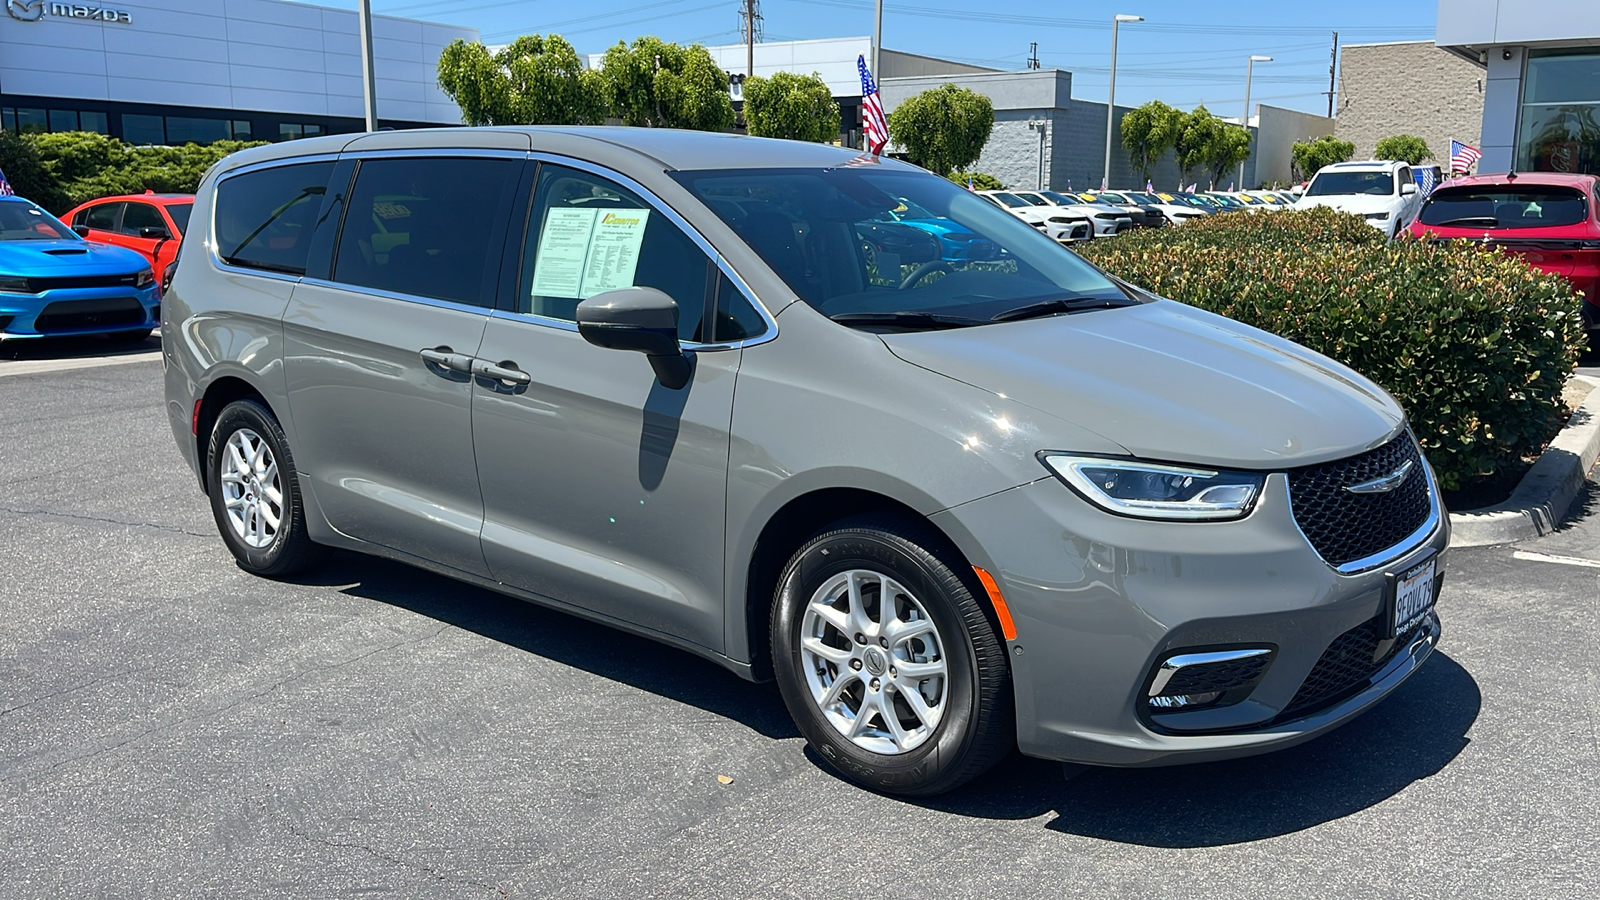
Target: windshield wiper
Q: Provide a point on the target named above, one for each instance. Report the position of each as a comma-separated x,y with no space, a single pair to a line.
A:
908,318
1062,305
1488,221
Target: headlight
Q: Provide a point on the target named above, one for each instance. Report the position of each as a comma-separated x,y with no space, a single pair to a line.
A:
1380,217
145,278
1155,491
14,284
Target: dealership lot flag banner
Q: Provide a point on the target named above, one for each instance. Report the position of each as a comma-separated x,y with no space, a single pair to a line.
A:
1425,180
5,187
874,125
1462,157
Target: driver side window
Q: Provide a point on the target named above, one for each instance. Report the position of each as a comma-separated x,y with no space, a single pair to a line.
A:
588,235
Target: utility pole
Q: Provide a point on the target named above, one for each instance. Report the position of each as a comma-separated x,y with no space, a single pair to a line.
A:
1033,55
751,24
1111,94
369,82
1333,62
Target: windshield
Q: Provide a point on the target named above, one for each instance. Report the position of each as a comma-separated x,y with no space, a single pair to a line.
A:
1143,198
180,215
1007,198
1504,206
20,220
1331,183
1034,199
1060,199
967,262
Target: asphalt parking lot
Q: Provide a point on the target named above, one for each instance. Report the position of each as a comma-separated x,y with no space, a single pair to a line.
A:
172,727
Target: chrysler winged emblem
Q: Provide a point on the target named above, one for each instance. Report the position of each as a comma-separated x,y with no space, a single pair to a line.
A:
1383,484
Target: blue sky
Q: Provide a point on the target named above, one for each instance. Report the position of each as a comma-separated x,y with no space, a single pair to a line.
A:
1184,53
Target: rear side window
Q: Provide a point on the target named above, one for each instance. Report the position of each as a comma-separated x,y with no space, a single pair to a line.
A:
1508,206
426,227
103,217
139,216
180,215
265,218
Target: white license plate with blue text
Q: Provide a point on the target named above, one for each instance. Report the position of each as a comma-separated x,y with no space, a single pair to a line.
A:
1413,596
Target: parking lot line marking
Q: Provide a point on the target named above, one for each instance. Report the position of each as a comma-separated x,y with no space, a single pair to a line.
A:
39,366
1561,560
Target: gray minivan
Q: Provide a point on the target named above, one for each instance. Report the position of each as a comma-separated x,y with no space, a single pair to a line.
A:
700,387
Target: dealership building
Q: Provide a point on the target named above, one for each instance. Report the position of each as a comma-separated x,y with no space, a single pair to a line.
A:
1541,90
173,71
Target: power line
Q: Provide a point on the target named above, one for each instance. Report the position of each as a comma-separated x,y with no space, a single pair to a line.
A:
545,26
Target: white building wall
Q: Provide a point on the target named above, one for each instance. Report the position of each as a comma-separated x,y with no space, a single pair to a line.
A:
243,55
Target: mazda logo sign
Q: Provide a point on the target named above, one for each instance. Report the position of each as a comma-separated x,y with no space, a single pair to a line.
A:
25,10
34,10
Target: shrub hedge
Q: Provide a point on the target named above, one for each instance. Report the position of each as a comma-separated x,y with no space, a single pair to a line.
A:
1475,345
68,168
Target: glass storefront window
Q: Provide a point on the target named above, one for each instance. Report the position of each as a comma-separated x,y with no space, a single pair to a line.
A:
185,130
32,121
93,121
1559,128
241,129
288,131
143,129
8,119
63,120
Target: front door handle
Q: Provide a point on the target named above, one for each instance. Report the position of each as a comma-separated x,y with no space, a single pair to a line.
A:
445,358
505,372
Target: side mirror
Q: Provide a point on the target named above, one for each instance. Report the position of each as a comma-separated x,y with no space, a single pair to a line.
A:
154,233
1409,187
641,319
81,230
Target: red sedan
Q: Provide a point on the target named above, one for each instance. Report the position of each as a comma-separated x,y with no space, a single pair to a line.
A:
152,224
1550,220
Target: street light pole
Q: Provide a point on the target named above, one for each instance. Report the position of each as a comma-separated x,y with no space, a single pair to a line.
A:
369,82
877,43
1248,69
1111,100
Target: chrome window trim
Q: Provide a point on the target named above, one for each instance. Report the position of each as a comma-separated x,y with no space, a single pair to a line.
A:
436,153
666,209
1406,545
217,261
395,295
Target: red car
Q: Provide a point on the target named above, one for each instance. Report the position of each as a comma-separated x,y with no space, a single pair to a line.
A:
1550,220
152,224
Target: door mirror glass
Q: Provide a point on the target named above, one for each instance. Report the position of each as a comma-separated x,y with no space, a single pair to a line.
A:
82,230
641,319
154,233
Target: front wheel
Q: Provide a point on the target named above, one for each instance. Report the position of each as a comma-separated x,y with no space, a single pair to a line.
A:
255,496
887,662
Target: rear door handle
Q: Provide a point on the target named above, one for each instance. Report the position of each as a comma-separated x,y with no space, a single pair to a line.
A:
504,371
445,358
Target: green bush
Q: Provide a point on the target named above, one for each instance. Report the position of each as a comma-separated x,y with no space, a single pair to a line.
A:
979,181
78,166
1475,345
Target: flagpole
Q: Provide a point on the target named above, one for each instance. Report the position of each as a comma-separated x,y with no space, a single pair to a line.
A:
877,42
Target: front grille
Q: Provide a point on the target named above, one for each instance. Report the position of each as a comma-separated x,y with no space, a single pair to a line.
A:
70,282
1345,667
80,315
1217,677
1343,526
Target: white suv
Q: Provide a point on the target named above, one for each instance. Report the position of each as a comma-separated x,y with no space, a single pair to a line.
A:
1383,191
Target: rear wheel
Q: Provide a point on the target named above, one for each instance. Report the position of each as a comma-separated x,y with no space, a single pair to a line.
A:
255,495
887,662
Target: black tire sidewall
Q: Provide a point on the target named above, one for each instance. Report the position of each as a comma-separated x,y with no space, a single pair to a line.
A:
941,757
252,415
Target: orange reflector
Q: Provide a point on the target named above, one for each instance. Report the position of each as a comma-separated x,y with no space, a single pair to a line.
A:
1007,627
194,421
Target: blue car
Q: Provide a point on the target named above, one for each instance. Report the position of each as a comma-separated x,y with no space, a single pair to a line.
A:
957,243
55,283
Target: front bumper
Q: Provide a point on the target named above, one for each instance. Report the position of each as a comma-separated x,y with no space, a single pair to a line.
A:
1099,601
79,311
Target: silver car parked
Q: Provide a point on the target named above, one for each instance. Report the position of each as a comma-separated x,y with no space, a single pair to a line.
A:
697,387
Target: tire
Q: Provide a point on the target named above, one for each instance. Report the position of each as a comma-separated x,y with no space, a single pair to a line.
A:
129,337
248,442
841,692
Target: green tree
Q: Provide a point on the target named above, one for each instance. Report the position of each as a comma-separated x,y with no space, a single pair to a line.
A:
1309,156
1229,146
534,80
1407,147
26,172
1196,134
664,85
1148,132
81,166
978,181
796,107
943,129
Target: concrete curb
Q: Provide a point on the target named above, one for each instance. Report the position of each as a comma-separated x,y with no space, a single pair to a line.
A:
1542,497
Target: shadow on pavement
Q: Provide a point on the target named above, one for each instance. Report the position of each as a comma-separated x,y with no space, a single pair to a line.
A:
92,345
566,639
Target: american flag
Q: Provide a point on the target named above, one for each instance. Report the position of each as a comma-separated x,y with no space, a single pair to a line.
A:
874,125
5,187
1462,157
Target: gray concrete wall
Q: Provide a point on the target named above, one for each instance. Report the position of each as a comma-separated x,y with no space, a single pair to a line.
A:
1277,131
1409,88
1498,122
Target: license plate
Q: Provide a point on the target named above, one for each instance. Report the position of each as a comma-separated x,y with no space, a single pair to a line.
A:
1413,596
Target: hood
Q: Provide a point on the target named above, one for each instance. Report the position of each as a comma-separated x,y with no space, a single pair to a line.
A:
1169,382
1360,204
67,257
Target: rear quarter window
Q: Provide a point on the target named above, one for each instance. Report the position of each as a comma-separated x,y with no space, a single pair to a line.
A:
264,218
